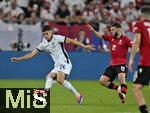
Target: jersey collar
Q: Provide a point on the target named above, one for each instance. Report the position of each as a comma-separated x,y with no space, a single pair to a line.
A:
50,39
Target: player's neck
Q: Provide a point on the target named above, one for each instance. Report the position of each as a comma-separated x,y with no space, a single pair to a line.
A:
50,38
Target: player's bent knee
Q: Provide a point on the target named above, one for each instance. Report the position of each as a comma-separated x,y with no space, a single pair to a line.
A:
102,81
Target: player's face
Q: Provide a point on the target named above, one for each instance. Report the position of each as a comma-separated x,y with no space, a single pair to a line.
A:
114,32
47,34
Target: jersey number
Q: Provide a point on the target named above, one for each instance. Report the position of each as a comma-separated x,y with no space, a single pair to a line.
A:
62,67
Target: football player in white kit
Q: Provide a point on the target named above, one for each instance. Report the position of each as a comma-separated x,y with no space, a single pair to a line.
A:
54,45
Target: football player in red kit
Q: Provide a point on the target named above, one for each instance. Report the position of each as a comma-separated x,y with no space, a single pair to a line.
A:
141,42
119,45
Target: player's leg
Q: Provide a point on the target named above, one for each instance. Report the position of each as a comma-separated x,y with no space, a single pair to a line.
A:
122,90
121,71
107,78
61,80
141,79
106,82
50,80
48,84
139,98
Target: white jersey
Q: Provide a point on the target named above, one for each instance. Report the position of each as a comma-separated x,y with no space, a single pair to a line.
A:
55,47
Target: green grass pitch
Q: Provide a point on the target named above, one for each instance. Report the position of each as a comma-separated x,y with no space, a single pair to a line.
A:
97,99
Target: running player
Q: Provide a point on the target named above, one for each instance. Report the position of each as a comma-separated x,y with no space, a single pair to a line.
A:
54,45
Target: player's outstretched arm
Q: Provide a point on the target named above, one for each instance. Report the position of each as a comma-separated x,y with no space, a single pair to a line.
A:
99,35
134,50
27,56
75,42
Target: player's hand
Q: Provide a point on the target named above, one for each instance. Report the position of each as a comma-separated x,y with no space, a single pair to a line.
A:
90,48
14,59
130,65
90,27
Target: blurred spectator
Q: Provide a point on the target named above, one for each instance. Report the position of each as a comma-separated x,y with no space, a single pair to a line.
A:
4,3
53,5
132,13
125,3
82,38
88,15
13,11
35,5
116,14
62,14
99,13
89,11
34,19
21,19
106,16
75,15
139,3
79,3
46,14
1,14
23,4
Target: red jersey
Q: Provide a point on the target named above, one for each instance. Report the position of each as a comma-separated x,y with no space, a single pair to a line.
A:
118,49
143,27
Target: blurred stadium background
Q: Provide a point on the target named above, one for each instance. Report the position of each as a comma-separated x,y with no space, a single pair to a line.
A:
20,25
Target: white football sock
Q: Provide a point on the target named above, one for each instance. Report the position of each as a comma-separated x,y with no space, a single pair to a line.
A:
49,82
68,85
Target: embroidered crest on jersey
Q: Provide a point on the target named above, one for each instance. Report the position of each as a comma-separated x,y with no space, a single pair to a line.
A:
53,44
140,70
122,68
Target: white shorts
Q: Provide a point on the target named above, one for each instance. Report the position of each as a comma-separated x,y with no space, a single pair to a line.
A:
63,67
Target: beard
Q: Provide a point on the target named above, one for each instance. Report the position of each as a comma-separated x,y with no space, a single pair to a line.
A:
115,35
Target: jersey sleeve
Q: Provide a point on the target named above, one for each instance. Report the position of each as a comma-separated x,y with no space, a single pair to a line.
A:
107,37
61,39
137,27
40,47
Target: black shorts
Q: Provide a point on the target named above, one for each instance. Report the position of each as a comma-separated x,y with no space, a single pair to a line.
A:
113,71
142,76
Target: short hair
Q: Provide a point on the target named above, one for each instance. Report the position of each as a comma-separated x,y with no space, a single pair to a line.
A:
145,10
117,25
46,28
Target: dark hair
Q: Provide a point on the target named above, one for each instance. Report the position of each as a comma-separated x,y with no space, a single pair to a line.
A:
46,28
145,10
117,25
